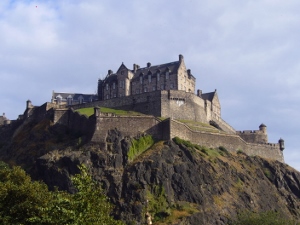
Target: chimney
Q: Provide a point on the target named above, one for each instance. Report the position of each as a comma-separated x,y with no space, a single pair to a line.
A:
199,93
110,72
148,64
180,58
189,72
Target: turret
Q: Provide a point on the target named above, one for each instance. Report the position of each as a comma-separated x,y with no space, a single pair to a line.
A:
281,144
263,137
263,128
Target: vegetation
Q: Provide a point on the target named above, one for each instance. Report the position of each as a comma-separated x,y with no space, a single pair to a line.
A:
138,146
90,111
157,203
23,201
212,153
264,218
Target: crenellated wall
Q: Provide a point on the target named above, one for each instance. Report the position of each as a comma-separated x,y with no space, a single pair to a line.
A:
96,127
172,103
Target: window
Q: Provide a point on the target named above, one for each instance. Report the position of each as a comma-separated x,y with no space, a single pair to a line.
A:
145,89
162,87
141,79
115,95
153,88
106,86
158,76
107,97
167,75
171,86
114,85
149,78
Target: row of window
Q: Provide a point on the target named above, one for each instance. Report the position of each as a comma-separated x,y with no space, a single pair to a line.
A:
158,77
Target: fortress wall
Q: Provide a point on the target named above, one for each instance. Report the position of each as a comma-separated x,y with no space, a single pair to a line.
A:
223,124
79,124
129,126
147,103
172,103
231,142
183,105
253,136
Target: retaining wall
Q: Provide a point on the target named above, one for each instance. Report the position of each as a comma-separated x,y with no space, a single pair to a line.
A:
231,142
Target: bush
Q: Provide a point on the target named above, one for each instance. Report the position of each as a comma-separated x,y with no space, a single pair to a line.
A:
264,218
138,146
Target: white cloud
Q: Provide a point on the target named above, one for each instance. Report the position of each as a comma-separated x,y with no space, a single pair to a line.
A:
247,50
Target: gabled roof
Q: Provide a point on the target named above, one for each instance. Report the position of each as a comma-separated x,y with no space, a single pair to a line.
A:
122,67
209,96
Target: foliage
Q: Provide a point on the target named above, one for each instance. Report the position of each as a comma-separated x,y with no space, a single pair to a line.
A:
239,151
223,150
158,205
188,144
23,201
264,218
212,153
140,145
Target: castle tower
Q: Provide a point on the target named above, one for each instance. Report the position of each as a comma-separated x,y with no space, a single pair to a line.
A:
264,134
281,144
263,128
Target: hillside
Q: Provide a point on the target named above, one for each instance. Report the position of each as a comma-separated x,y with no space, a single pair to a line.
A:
176,181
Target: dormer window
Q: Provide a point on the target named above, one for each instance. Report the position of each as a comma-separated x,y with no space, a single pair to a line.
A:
141,79
114,85
107,87
167,75
158,76
149,78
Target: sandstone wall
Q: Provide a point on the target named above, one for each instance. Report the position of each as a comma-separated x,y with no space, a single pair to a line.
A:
129,126
231,142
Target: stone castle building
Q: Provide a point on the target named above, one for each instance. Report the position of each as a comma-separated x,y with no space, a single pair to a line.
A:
126,82
165,95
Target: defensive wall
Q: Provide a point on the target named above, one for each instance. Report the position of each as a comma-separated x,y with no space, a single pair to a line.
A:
231,142
170,103
96,128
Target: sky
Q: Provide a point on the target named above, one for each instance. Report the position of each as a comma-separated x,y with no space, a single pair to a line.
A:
248,50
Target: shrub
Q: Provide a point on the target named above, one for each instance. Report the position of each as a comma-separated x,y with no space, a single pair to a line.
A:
264,218
138,146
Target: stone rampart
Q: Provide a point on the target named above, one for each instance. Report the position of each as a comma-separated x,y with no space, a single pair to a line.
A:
231,142
129,126
253,136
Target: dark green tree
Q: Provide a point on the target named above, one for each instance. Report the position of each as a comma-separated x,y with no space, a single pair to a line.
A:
23,201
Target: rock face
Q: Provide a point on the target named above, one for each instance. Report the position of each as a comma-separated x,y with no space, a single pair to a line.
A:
206,186
175,183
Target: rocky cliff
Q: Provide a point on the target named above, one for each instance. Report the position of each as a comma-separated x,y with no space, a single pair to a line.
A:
175,181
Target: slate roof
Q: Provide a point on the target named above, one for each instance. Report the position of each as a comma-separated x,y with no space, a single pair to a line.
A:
208,96
75,96
172,67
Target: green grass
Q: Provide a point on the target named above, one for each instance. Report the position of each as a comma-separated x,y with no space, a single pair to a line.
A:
198,126
138,146
90,111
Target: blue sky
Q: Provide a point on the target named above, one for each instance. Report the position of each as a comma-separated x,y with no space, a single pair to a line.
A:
247,50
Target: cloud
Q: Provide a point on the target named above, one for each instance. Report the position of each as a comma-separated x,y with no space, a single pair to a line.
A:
247,50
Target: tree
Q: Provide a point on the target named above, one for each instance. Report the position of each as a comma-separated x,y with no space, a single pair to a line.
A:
23,201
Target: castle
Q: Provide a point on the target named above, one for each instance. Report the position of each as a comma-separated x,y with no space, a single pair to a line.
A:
165,95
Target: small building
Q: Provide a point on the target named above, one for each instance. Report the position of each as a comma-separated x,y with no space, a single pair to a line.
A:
72,98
